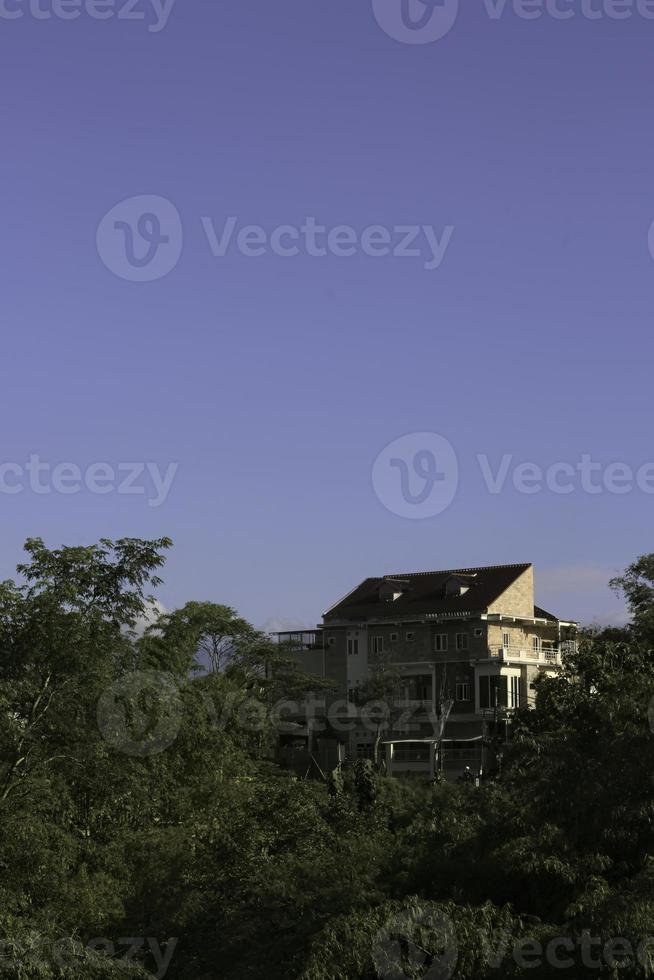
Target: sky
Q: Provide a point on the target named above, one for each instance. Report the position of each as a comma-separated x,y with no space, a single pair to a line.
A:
330,290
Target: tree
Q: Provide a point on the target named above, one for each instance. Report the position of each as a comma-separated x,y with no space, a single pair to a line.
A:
207,631
378,699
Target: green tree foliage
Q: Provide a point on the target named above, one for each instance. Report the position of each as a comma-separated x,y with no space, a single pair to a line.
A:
140,801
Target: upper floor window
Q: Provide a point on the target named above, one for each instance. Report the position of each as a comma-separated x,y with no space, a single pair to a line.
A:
440,642
378,644
478,631
353,646
506,640
393,637
535,642
410,637
331,640
462,641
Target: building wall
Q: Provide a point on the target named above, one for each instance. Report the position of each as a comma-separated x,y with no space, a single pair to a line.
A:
336,658
518,599
422,648
358,669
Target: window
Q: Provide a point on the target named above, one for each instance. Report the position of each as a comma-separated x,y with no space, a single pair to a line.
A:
462,691
417,687
440,642
353,646
410,637
331,640
393,637
462,641
506,640
478,631
535,642
492,692
456,586
378,644
515,692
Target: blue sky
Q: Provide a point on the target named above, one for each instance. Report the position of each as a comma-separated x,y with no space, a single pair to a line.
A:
273,383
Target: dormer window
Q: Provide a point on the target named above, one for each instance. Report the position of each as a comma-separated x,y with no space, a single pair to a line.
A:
457,585
391,590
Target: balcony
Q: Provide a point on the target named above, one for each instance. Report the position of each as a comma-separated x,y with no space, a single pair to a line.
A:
412,702
547,655
301,640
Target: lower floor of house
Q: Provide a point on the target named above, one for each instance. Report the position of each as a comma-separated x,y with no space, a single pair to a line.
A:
468,747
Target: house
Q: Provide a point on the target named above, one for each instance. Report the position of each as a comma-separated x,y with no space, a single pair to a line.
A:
460,650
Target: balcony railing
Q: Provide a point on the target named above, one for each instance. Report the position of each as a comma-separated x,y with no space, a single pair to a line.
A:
403,702
548,654
294,640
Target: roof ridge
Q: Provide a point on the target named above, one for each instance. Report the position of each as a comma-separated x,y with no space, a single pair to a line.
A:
453,571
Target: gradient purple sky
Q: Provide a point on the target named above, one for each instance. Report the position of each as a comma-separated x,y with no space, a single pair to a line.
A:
275,383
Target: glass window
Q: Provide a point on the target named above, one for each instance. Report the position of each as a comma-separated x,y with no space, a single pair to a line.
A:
492,692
